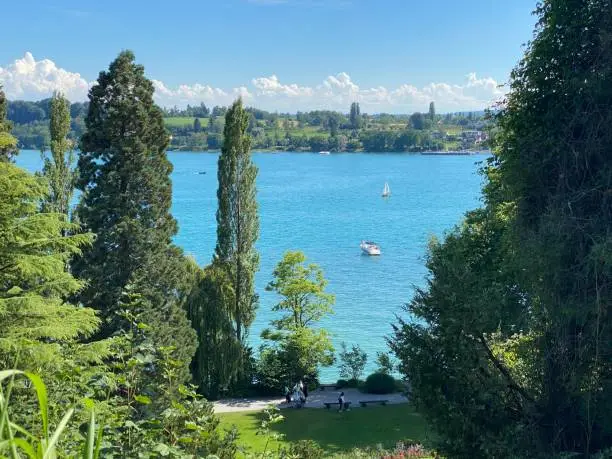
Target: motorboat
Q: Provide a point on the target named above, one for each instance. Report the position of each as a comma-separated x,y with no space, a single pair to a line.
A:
370,248
324,152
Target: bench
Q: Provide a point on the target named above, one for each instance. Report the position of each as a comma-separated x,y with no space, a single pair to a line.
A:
328,386
364,403
329,404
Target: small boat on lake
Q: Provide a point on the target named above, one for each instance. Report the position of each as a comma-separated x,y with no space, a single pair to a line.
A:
386,191
370,248
324,152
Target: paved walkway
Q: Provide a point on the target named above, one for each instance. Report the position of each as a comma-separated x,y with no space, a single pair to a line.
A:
315,400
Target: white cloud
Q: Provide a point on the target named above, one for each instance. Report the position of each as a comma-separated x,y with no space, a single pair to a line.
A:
27,78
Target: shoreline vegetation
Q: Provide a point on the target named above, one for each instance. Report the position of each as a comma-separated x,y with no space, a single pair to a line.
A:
201,128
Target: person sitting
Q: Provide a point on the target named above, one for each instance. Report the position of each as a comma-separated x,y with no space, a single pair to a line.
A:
287,395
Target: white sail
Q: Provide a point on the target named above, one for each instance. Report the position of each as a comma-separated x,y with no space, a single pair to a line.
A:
386,190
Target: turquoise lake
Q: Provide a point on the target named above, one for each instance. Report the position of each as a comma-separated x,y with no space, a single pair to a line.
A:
324,206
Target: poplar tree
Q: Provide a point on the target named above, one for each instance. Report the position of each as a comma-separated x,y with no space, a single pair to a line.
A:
218,358
237,218
58,169
127,193
432,111
8,143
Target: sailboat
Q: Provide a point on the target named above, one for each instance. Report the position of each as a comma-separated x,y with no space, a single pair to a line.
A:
386,191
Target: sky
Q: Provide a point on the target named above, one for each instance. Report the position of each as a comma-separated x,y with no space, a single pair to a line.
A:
392,56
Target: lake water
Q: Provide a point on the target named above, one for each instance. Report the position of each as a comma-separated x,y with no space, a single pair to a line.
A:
324,206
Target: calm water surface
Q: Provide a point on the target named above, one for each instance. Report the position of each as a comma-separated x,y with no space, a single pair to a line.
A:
324,206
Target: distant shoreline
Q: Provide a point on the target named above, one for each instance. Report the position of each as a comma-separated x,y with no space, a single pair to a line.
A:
424,153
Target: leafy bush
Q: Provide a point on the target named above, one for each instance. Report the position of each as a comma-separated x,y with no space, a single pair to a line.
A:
306,449
379,383
342,383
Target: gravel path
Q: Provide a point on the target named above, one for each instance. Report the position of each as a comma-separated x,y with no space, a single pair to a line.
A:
315,400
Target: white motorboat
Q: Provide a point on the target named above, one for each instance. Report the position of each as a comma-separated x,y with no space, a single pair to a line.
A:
386,191
324,152
369,247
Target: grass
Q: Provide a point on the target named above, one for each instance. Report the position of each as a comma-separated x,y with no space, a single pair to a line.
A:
183,121
335,432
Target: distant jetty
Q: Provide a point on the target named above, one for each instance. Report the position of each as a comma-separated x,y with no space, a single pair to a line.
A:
448,153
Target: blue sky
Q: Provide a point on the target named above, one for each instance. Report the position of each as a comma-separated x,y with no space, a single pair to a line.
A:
390,55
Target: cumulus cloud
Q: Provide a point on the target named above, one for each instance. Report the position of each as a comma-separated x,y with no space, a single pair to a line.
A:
27,78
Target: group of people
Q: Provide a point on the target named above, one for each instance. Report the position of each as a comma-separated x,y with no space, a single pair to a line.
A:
298,395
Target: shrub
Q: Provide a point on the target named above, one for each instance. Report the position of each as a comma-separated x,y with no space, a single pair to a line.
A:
341,384
379,383
306,449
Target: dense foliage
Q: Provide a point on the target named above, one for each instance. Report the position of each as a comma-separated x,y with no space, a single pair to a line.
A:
237,219
379,383
511,354
295,350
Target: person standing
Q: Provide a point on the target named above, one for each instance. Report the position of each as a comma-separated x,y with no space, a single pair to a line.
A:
341,401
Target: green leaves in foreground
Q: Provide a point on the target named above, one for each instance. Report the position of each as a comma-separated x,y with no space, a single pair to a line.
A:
16,441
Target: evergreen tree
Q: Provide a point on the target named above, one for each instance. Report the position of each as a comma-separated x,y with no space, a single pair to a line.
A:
8,143
355,116
432,111
197,126
58,170
237,218
34,283
124,177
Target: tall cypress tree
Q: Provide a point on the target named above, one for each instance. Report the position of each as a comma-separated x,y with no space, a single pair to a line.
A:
8,143
58,169
237,218
124,177
432,110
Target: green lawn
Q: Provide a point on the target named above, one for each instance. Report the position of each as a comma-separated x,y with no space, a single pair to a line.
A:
182,121
335,432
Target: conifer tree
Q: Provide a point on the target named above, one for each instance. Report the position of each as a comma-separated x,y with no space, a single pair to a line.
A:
432,111
58,170
33,280
125,180
237,218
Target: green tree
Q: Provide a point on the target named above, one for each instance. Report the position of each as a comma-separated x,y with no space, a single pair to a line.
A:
34,283
59,170
217,360
385,365
417,121
296,351
8,143
355,116
510,352
197,126
124,177
302,288
237,218
432,111
353,362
